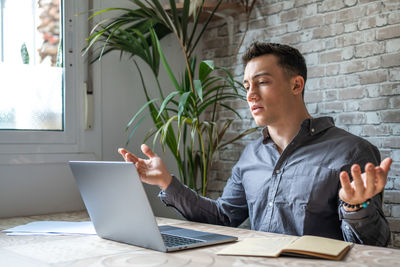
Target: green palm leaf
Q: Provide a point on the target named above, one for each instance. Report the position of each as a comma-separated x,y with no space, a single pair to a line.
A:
138,113
244,133
166,102
199,89
205,68
166,65
182,105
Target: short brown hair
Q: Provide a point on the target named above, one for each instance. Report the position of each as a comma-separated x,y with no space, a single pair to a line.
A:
289,58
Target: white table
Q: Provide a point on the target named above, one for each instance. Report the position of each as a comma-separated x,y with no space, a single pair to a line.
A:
94,251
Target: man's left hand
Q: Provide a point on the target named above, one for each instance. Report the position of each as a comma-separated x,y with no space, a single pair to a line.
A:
364,185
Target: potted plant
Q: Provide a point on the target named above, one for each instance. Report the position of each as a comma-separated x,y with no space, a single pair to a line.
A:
185,120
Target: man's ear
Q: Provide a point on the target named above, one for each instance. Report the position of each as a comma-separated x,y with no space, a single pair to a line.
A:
297,85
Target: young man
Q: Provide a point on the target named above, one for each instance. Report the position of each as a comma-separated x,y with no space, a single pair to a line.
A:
294,179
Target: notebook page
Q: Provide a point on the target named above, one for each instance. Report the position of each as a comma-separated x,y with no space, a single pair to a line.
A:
319,245
265,246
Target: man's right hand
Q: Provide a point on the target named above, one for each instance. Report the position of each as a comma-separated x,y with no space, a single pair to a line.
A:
151,171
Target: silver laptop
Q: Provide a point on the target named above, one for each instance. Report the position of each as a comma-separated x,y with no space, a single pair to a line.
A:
119,209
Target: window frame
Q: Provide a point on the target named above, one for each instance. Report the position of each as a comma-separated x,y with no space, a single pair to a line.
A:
75,72
1,30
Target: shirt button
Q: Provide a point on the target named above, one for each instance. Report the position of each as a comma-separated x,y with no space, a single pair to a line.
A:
270,204
312,130
277,171
347,227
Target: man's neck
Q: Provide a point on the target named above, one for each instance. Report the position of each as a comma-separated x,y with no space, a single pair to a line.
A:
283,132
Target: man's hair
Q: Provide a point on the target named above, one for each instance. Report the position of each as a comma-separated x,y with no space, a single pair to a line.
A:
289,58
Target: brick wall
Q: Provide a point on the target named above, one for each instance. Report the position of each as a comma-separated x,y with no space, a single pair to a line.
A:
352,48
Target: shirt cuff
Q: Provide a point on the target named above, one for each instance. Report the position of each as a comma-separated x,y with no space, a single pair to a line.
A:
169,195
356,215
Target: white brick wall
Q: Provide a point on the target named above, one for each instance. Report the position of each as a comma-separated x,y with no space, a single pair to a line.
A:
352,48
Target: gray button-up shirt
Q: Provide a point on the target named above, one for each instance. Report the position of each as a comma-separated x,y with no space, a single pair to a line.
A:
295,192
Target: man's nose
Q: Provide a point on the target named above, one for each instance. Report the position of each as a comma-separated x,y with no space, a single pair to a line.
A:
252,93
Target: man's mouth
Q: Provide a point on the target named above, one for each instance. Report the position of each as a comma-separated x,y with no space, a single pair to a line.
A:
256,108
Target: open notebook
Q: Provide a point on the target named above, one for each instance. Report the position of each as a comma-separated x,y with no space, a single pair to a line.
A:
307,246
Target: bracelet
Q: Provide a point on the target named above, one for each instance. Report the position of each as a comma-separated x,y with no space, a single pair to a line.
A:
359,206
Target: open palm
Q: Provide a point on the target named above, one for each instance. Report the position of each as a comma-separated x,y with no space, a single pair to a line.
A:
364,185
152,170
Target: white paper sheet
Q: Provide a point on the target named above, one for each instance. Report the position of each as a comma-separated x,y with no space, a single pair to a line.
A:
53,228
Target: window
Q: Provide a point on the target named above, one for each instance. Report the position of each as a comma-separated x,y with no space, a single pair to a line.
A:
31,65
41,102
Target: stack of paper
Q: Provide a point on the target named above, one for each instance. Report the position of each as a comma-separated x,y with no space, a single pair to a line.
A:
53,228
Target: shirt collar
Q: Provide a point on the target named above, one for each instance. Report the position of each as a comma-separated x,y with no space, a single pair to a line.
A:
312,125
317,125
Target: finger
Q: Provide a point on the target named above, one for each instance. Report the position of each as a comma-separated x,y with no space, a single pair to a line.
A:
122,151
381,179
147,151
131,158
128,156
370,180
358,182
345,182
381,173
385,165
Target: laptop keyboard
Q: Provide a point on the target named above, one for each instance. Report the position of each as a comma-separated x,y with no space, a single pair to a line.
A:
176,241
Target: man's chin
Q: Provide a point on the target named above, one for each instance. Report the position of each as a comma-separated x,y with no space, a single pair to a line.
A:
260,123
261,120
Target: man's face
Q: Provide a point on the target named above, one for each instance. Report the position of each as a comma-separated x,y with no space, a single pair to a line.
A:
268,90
